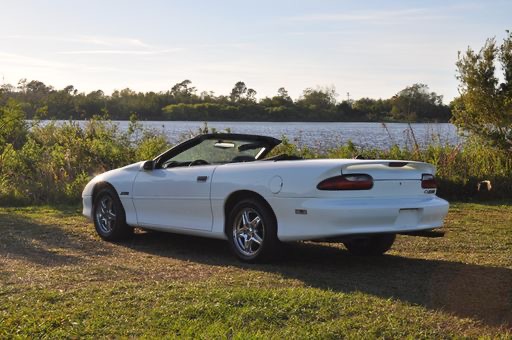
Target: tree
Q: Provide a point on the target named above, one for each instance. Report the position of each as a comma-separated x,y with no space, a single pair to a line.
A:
283,93
238,91
38,87
207,96
22,85
183,91
242,94
280,100
251,95
484,107
70,89
38,100
7,89
318,99
13,127
374,109
416,102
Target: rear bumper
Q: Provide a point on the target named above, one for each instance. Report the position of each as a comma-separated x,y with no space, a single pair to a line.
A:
327,217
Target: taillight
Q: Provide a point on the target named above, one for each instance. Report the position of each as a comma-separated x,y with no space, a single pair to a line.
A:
347,182
428,181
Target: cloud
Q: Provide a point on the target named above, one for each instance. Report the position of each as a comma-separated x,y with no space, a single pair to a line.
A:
17,59
88,45
23,62
85,39
405,14
410,13
125,52
113,41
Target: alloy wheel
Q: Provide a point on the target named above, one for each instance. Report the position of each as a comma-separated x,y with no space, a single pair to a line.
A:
248,232
106,214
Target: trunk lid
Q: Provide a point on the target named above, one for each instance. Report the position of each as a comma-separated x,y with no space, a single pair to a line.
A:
391,178
389,169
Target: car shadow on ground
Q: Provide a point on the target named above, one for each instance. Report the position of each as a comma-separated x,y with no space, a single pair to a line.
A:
480,292
44,244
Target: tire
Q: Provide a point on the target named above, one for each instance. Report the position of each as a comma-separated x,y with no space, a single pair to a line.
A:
370,246
252,231
109,216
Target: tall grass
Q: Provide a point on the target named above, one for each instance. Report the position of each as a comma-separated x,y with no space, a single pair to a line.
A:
51,163
459,167
56,160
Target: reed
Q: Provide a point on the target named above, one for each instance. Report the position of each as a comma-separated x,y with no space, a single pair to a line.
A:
50,164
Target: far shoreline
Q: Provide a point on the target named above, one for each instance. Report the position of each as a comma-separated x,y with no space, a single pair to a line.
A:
244,121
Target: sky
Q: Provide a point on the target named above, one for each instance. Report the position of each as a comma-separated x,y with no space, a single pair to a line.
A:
364,48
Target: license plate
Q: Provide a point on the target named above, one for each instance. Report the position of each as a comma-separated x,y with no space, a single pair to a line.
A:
408,217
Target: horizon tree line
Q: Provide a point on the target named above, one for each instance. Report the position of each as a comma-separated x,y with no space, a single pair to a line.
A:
415,103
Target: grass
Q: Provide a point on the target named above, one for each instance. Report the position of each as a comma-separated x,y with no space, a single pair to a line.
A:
58,279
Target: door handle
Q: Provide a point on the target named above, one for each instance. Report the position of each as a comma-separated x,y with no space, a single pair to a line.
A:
202,178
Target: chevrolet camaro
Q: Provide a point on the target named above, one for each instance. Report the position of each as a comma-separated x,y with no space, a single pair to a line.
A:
225,186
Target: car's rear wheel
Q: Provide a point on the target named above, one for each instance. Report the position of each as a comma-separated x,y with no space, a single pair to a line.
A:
252,231
109,216
370,246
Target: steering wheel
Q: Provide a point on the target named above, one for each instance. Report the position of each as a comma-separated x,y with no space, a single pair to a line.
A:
198,162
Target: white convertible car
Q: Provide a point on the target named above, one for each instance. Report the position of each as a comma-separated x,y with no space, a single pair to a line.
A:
222,186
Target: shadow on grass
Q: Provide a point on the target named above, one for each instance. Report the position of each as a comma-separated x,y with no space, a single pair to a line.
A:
465,290
480,292
43,244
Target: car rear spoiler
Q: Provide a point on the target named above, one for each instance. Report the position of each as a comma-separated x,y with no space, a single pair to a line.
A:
362,164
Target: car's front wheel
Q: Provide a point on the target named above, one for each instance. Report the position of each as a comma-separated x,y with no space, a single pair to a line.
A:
252,231
370,246
109,216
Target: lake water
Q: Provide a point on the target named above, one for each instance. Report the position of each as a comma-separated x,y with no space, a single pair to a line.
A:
322,135
319,135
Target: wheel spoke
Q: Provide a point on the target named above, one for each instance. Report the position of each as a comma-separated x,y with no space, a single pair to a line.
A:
103,207
241,231
248,244
110,215
257,239
255,221
245,218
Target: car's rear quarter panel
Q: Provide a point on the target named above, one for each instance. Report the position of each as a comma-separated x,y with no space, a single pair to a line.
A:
396,202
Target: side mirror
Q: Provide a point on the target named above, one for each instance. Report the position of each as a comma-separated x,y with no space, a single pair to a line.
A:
148,165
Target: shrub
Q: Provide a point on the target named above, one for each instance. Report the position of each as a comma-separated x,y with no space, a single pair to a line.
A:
459,168
51,163
57,160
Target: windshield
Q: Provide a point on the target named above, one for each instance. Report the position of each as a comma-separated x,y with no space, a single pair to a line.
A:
217,151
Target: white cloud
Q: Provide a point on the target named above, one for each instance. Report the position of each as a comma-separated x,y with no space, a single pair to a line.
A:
17,59
114,41
388,16
84,39
410,14
124,52
100,45
22,62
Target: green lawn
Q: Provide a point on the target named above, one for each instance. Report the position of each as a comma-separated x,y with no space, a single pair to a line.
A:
58,279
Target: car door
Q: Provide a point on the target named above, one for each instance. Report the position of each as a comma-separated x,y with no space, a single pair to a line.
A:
174,198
